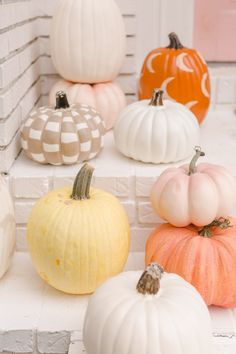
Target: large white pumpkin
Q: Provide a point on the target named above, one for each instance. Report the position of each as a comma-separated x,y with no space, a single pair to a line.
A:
107,98
88,40
157,131
167,317
7,228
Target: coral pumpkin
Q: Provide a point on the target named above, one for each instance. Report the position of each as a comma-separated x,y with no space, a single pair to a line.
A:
78,237
181,72
107,98
204,257
194,194
149,313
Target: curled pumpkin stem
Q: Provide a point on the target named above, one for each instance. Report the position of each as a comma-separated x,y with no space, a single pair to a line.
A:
192,165
222,223
174,41
149,283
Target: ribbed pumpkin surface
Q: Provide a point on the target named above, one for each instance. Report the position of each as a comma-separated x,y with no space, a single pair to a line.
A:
76,245
182,74
207,263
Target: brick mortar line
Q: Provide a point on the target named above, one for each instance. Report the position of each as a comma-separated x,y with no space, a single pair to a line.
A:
48,17
3,148
22,23
28,44
4,2
12,83
18,51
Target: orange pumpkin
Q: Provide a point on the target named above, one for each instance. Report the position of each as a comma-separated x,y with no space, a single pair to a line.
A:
181,73
205,257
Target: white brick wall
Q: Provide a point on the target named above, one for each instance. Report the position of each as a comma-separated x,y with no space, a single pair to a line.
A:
19,73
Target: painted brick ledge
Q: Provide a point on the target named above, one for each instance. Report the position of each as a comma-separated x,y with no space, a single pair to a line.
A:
36,318
129,180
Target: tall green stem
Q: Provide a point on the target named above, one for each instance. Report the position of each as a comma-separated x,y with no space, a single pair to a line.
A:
81,187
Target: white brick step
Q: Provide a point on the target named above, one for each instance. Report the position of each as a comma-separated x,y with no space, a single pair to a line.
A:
37,318
129,180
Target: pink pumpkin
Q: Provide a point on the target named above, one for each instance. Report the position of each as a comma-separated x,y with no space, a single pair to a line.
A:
194,194
107,98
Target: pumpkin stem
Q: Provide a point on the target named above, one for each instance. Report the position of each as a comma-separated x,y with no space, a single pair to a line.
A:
81,187
222,223
192,165
61,100
174,41
149,283
157,98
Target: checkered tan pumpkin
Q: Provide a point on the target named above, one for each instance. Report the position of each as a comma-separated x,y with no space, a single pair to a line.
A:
64,134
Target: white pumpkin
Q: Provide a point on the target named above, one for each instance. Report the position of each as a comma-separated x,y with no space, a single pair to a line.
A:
88,40
7,228
107,98
157,131
167,317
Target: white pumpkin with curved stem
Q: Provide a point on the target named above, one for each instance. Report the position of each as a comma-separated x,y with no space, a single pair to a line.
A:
159,317
7,228
107,98
88,40
157,131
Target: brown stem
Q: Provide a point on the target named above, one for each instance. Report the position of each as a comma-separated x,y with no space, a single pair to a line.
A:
81,187
157,98
174,41
61,100
222,223
149,283
192,165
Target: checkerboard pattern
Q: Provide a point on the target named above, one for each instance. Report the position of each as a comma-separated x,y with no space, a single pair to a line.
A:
63,136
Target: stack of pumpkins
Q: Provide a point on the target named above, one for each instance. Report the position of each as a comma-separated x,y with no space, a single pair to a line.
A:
164,131
199,243
88,46
88,49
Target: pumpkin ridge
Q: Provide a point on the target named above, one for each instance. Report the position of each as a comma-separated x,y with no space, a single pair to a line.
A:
133,305
43,240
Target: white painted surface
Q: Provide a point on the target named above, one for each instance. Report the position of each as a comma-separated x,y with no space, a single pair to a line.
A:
37,318
129,180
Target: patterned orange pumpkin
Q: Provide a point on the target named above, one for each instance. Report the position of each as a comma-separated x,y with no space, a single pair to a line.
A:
205,257
181,73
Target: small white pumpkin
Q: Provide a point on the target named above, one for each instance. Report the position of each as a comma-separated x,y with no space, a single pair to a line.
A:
167,317
107,98
88,40
157,131
7,228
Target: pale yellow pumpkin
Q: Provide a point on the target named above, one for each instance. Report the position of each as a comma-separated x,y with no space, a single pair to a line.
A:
78,238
